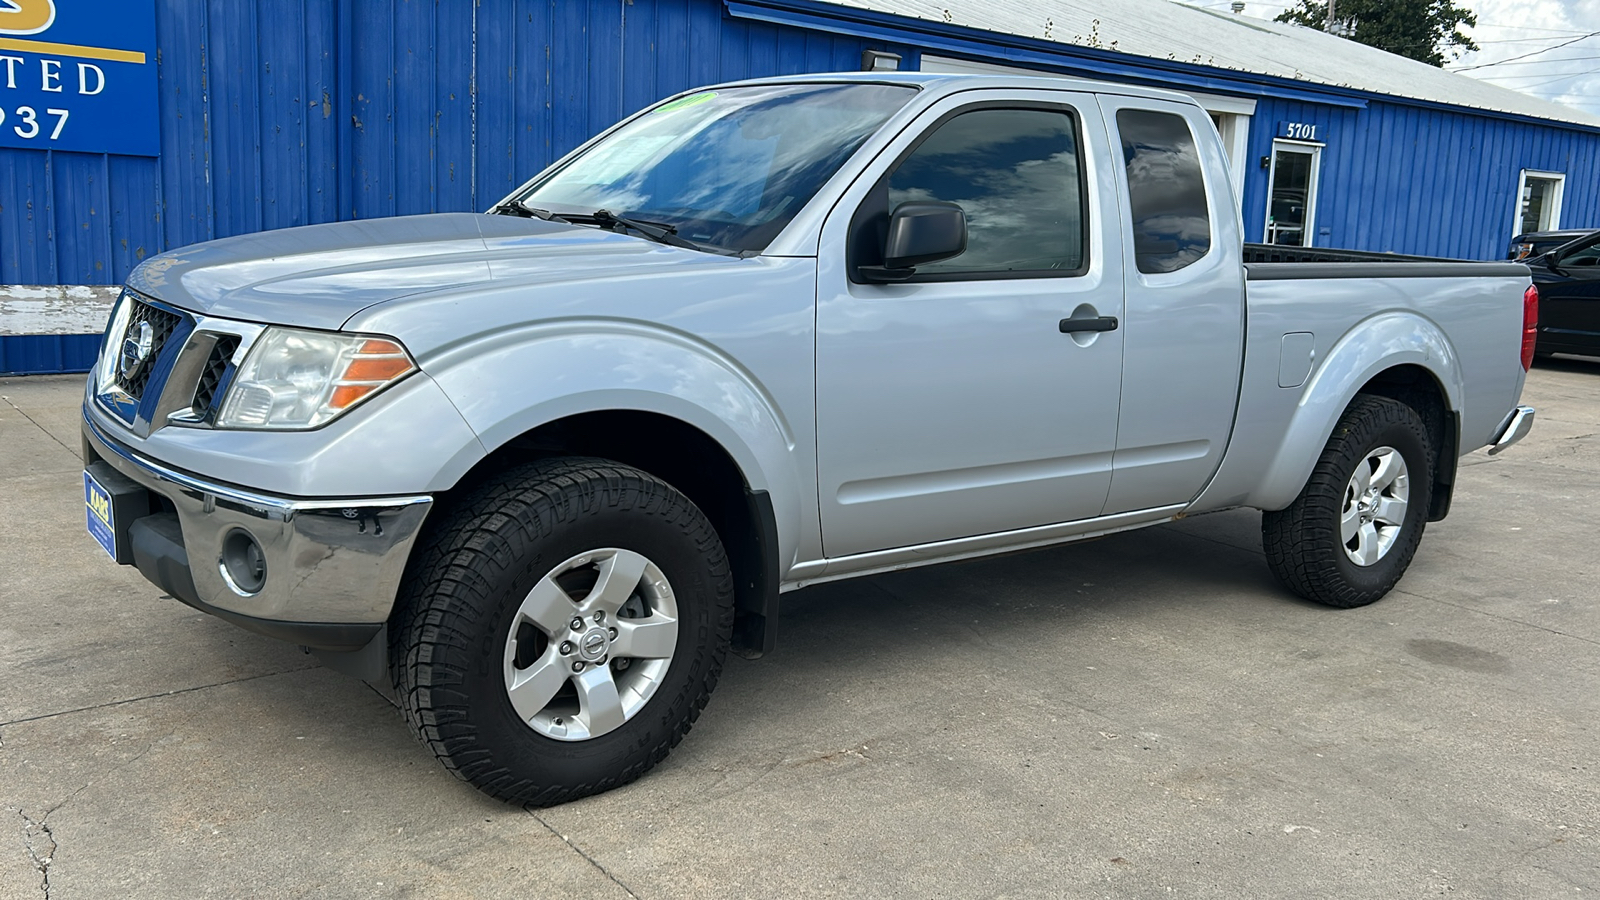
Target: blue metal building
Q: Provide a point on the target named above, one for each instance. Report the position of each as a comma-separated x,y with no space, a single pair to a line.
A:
274,113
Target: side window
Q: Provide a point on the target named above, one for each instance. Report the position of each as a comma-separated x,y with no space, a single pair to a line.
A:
1015,173
1171,223
1583,257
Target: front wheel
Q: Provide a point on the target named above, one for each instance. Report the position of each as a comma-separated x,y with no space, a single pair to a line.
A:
1349,536
561,629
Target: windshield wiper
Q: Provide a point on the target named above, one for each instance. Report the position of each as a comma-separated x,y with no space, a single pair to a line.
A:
515,208
660,232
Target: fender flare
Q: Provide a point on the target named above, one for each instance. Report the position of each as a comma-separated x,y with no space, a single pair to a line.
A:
507,383
1373,346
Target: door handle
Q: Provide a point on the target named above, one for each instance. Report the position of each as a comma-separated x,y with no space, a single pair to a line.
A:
1103,323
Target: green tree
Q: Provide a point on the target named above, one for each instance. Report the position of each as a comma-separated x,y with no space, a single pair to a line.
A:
1424,30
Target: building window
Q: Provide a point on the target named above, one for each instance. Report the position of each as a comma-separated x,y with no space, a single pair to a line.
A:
1292,193
1540,201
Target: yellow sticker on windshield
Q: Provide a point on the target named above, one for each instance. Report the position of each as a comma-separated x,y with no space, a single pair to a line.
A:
686,102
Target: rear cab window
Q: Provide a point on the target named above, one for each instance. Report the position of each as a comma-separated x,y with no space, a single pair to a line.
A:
1166,190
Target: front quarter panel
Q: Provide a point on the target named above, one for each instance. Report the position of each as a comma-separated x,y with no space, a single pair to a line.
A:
727,350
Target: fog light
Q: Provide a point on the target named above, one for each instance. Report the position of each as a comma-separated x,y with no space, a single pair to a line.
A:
244,564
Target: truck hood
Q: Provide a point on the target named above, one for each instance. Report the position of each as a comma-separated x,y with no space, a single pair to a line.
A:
318,276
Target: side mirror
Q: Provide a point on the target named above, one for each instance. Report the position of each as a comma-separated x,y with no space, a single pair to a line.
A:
1548,260
920,232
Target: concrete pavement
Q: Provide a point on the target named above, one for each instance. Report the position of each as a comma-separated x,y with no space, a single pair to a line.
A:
1147,714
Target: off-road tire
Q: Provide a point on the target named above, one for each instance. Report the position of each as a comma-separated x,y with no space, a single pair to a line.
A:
479,558
1302,542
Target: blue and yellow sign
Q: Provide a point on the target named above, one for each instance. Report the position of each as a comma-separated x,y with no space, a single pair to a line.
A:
79,75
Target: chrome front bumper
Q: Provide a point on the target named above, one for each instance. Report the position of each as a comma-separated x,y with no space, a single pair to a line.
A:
1515,428
333,566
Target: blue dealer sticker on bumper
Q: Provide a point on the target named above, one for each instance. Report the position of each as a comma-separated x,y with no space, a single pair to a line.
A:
98,513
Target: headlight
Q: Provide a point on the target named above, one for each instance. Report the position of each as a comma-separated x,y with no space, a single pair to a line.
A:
105,367
301,379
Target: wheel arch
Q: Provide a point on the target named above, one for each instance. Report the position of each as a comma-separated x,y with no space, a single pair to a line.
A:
735,496
1398,355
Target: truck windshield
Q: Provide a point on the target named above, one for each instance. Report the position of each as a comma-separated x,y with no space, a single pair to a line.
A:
726,168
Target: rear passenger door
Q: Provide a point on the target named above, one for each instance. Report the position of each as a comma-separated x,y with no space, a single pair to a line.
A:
1183,334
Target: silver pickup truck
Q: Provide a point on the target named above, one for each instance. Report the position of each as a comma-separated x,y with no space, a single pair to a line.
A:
544,466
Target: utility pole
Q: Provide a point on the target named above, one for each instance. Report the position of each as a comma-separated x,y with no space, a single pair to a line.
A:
1328,25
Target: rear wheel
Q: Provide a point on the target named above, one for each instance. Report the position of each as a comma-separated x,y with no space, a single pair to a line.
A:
1350,535
562,629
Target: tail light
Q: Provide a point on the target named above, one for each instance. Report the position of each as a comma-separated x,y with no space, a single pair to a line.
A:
1530,324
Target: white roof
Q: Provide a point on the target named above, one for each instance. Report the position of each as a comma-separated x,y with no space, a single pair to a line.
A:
1171,31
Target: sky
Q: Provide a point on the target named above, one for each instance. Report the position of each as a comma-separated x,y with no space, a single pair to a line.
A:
1516,28
1512,28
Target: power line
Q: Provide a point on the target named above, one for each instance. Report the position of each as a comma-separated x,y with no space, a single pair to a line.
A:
1526,89
1529,28
1589,73
1526,55
1537,40
1551,62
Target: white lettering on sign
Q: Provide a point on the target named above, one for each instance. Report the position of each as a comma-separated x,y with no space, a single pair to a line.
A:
91,78
1300,131
29,126
83,79
55,65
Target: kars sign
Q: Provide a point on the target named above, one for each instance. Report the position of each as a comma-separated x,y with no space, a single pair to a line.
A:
79,75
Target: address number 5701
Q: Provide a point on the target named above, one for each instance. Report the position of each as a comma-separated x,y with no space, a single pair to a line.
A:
28,126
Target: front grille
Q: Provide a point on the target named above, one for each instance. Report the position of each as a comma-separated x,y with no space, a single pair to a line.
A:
162,324
211,377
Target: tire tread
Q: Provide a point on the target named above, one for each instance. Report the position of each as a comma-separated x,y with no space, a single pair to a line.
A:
1302,542
448,576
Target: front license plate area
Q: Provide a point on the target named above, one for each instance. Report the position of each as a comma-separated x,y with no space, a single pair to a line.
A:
100,514
112,502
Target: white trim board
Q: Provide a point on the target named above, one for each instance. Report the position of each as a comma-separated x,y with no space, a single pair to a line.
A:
55,309
1560,178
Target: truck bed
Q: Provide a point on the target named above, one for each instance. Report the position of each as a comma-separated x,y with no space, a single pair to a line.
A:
1273,262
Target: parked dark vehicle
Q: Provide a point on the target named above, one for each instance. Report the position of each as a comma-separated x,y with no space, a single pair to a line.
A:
1534,244
1568,279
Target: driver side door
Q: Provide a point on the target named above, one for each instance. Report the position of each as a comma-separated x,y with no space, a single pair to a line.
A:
954,404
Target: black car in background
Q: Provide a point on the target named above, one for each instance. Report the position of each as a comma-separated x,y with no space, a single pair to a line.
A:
1568,279
1537,243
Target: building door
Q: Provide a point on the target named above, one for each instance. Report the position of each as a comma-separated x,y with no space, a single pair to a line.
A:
1541,201
1292,193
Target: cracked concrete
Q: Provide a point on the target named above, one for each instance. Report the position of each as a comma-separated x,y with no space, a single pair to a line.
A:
35,835
1143,715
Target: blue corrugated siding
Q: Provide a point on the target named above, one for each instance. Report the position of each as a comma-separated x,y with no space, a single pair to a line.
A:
43,354
290,112
1408,180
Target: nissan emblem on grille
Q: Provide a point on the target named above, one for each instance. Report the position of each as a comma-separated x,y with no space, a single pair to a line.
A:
136,350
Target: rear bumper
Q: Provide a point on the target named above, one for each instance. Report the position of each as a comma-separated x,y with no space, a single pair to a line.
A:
1513,429
332,566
